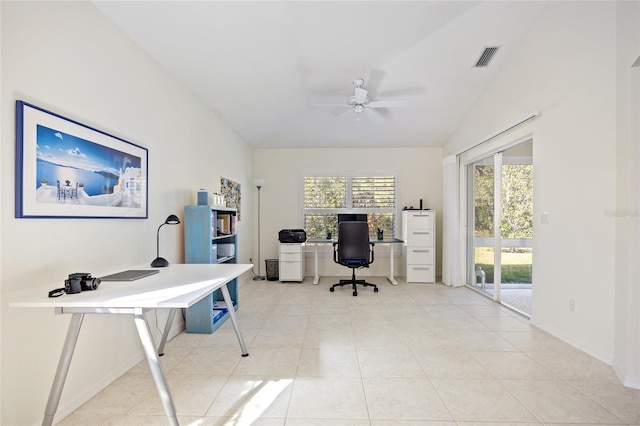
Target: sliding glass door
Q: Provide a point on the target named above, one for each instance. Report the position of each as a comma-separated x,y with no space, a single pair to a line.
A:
500,224
516,228
481,241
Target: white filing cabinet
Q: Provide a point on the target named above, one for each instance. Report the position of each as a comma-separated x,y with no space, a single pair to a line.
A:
419,235
291,267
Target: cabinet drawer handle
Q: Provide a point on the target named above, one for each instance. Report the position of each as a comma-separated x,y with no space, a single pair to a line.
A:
421,269
420,233
421,251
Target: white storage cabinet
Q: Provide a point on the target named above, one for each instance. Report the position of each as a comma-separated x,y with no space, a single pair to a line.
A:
419,235
291,262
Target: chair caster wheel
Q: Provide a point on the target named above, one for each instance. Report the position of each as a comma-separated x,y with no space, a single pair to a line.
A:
375,290
355,293
331,289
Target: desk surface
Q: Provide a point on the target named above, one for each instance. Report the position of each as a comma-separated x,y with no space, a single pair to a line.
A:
176,286
327,241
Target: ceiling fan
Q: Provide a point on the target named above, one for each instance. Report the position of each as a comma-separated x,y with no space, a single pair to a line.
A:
360,103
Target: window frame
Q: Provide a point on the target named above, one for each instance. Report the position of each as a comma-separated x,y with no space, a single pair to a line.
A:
349,175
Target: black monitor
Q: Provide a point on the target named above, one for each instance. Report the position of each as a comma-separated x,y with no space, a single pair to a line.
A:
352,217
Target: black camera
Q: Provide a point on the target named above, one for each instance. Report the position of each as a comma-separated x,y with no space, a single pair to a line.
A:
80,281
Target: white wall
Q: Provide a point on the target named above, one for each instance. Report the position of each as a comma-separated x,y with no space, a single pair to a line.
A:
67,58
419,176
627,292
566,69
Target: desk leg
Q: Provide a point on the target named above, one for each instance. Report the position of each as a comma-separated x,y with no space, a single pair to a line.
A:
390,277
156,369
234,321
167,328
316,278
63,368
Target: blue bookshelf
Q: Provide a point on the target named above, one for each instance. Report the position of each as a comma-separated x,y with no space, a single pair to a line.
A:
210,237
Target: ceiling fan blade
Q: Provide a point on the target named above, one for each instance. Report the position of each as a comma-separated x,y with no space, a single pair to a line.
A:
390,103
373,116
343,113
402,92
332,105
373,82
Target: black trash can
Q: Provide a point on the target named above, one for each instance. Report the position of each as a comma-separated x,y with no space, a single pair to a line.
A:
272,269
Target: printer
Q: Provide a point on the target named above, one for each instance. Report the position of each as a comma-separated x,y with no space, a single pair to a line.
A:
292,236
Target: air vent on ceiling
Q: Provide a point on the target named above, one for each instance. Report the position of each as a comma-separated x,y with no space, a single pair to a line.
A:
486,56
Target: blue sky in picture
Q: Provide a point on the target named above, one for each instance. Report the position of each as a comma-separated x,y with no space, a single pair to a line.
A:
62,156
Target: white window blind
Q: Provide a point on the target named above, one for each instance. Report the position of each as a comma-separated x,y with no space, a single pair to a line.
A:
374,192
327,196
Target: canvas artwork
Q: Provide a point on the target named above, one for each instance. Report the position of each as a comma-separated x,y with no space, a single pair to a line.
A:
66,169
230,190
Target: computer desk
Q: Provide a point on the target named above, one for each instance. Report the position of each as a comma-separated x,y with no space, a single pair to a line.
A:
174,287
321,241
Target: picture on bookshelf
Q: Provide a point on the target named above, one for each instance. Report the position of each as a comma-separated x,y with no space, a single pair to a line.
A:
230,190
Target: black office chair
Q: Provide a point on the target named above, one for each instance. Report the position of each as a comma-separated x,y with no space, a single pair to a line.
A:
353,250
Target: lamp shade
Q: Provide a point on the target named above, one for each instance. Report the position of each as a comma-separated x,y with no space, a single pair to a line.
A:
172,219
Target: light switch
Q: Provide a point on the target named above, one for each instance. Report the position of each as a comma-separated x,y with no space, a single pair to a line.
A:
544,218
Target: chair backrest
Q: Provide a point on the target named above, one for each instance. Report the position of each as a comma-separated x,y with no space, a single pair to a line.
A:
353,241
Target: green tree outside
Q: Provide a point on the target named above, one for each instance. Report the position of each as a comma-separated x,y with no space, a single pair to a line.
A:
517,219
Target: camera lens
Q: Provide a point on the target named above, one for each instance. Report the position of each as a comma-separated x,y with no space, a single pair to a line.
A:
95,282
89,283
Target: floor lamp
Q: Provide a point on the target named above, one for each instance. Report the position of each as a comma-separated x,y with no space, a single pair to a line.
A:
258,183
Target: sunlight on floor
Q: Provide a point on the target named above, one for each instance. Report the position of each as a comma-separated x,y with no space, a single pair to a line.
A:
257,399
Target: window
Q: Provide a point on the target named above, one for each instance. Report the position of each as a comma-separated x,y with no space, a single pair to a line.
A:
326,196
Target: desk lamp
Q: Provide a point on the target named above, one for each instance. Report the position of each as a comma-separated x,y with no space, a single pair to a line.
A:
160,262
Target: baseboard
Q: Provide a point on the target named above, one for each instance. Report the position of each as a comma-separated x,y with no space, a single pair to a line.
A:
628,381
81,398
607,359
246,277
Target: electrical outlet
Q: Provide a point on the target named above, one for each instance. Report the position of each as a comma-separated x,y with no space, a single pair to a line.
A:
572,306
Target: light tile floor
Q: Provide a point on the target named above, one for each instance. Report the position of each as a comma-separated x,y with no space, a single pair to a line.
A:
410,355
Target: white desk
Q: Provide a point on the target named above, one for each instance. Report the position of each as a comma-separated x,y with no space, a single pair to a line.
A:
176,286
319,241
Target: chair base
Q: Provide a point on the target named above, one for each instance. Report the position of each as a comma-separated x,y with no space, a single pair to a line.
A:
354,282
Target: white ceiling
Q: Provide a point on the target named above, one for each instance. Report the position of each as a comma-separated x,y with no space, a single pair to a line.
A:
262,65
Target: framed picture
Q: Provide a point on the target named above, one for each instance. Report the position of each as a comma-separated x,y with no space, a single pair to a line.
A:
66,169
231,192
